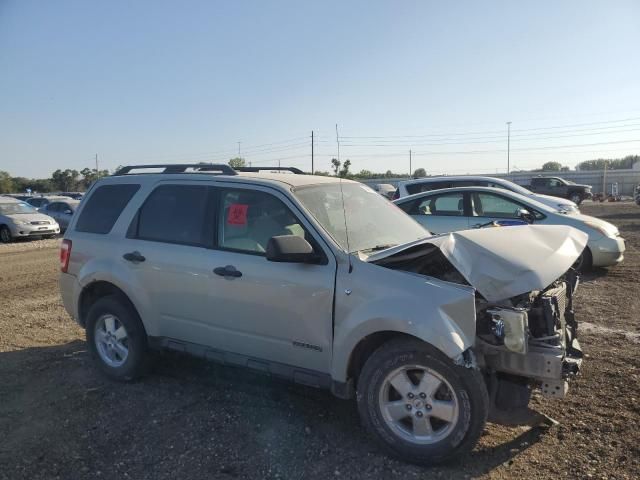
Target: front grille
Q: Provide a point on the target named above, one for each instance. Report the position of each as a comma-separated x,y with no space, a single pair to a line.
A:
40,222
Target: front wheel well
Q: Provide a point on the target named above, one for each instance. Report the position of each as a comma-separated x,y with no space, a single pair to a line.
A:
366,347
93,292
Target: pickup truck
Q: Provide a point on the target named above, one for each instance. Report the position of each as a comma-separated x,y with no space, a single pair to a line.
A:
559,187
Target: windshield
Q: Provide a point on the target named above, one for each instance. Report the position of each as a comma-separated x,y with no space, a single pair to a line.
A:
15,208
373,223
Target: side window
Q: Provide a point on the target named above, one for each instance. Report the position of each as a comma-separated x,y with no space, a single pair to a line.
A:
54,207
36,202
426,187
173,214
104,206
555,183
489,205
446,205
248,219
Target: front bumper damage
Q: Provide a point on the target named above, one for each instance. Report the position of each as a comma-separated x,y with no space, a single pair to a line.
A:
553,354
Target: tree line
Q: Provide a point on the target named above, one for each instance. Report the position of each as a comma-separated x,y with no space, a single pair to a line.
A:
67,180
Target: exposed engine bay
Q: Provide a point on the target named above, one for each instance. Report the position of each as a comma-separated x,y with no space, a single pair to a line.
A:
522,342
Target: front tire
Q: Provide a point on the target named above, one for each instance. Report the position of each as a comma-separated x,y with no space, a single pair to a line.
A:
117,339
419,405
584,263
5,234
576,198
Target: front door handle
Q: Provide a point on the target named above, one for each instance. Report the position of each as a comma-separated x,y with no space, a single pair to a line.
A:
134,257
228,271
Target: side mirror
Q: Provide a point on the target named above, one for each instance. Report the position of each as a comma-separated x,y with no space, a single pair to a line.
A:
68,212
289,248
525,215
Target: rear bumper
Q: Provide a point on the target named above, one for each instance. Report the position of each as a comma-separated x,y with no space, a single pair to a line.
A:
69,291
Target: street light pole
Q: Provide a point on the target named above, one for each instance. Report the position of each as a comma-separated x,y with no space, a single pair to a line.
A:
508,146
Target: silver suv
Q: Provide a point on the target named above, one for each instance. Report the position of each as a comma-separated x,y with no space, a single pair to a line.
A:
324,282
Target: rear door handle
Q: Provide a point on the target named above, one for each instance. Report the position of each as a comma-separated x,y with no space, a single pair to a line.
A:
228,271
134,257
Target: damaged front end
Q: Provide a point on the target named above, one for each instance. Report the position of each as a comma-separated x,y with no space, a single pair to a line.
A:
532,338
525,323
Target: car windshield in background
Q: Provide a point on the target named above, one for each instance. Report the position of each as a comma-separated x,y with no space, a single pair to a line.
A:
15,208
372,222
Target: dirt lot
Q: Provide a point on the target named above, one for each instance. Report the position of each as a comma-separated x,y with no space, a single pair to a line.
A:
59,418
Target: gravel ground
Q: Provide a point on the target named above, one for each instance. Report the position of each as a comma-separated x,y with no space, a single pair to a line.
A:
59,418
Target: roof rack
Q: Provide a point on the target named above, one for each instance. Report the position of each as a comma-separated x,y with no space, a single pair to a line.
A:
219,168
295,170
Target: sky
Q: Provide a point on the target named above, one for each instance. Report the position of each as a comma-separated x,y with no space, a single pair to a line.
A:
185,81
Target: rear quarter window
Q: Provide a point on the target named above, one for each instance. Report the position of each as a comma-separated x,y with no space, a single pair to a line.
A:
426,187
104,206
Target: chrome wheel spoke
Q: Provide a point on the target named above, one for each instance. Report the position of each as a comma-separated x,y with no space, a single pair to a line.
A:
429,384
120,350
421,426
110,324
402,383
120,333
397,410
444,410
111,340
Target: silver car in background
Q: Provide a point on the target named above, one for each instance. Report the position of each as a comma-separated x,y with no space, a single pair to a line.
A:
419,185
455,209
20,220
61,211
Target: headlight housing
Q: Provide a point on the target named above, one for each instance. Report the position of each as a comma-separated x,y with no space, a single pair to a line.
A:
512,326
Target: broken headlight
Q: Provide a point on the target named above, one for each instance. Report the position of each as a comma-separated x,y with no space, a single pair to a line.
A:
511,326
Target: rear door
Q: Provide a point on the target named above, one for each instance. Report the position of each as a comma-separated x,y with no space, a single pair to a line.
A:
167,250
441,213
65,212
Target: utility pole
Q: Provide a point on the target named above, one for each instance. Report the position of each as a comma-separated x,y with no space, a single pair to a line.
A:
338,142
311,152
97,169
239,149
508,145
410,170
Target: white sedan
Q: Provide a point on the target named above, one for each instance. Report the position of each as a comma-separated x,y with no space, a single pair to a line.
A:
452,209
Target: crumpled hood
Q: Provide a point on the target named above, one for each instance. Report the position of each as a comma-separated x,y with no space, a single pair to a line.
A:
503,262
30,217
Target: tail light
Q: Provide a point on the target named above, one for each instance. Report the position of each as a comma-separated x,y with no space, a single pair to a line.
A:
396,194
65,255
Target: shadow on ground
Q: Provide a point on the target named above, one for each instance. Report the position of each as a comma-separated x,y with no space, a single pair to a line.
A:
189,419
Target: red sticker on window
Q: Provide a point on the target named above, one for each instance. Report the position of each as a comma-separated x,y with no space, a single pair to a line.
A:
237,214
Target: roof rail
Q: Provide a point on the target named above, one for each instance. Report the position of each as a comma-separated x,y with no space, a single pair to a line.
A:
273,169
219,168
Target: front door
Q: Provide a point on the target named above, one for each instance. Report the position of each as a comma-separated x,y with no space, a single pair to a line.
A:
488,207
280,312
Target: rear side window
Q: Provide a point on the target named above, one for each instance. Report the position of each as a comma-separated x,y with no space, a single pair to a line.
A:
104,207
173,214
426,187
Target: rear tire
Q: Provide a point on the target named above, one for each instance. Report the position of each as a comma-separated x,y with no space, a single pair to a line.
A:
440,414
117,339
5,234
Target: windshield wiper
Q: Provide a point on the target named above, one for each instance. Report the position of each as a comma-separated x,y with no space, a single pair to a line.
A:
379,247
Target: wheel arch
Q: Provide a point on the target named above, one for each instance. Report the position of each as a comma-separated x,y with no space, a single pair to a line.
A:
369,344
96,290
